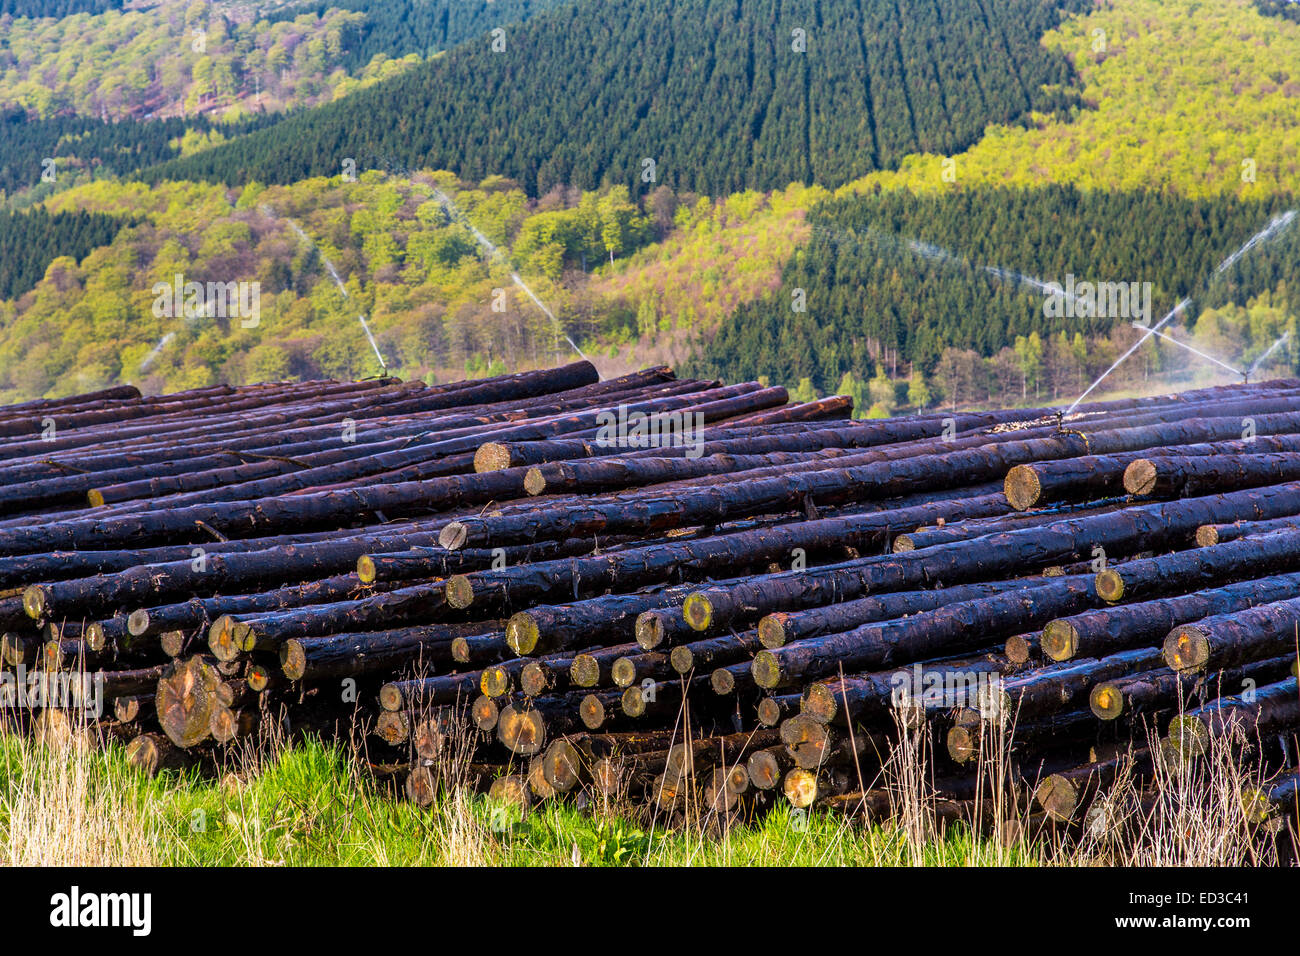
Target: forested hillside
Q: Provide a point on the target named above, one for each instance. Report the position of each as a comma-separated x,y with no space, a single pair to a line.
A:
30,241
1184,138
704,96
1200,97
895,279
55,8
81,147
396,28
439,306
1280,8
178,59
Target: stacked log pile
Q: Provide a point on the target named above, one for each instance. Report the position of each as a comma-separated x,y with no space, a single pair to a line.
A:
702,598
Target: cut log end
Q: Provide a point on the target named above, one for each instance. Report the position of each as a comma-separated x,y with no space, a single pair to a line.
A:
95,497
771,631
226,638
769,712
1110,586
392,727
1207,536
366,572
258,677
172,643
453,536
962,744
805,740
698,611
293,659
137,622
536,678
633,702
95,637
584,671
722,681
1187,648
764,770
1060,640
491,456
623,672
184,701
522,730
459,591
522,633
34,601
223,725
460,650
494,681
800,788
144,754
1018,649
1058,797
819,703
1106,701
13,649
681,659
607,776
1140,477
562,766
766,670
1188,737
904,543
534,481
485,713
1022,487
511,790
1255,805
592,712
421,789
430,738
650,631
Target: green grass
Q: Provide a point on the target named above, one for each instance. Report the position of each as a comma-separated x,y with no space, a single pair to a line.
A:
308,807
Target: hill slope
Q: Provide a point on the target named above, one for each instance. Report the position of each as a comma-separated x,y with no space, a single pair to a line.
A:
719,97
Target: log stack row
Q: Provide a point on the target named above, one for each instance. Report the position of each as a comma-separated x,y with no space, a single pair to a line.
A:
700,598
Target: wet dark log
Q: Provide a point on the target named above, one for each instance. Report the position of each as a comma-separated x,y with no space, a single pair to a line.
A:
1154,691
1111,629
1062,686
1010,552
720,554
1239,637
1063,795
932,686
949,630
228,638
546,628
351,655
1212,534
1104,476
782,627
571,760
595,667
965,530
714,652
1269,710
1171,476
